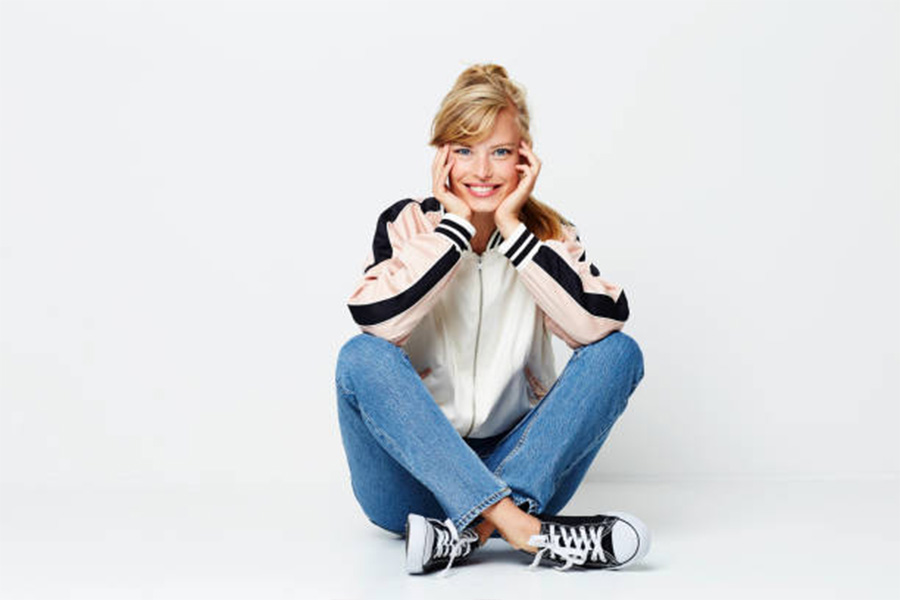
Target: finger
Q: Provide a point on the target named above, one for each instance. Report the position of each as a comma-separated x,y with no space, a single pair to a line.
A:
438,156
441,153
438,174
532,158
435,164
526,150
529,156
440,179
447,168
436,167
443,156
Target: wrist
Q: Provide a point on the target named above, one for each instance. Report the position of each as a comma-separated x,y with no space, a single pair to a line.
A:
507,225
465,213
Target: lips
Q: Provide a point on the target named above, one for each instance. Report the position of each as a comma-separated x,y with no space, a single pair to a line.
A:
482,191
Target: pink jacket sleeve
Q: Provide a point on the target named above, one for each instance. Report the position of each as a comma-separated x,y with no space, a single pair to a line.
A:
415,253
579,306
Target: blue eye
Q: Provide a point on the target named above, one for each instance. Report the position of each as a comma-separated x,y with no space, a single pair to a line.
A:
467,151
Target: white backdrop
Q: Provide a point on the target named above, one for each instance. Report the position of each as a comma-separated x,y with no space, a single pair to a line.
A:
189,190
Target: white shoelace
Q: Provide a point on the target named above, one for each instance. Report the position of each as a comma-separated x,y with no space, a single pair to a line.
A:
450,544
572,544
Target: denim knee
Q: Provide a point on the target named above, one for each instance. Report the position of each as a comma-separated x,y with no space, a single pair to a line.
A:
359,346
357,353
623,346
627,353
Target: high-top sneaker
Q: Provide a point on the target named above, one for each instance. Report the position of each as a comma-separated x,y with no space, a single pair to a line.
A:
431,544
608,541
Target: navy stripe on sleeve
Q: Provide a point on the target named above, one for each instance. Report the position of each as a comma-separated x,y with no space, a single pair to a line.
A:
381,242
459,228
532,241
515,246
454,237
599,305
377,312
431,204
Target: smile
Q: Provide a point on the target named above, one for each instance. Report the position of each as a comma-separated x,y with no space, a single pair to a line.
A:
482,191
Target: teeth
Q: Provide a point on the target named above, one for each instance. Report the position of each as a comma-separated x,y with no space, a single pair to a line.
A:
482,190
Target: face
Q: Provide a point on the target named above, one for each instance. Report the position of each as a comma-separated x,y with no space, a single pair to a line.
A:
485,173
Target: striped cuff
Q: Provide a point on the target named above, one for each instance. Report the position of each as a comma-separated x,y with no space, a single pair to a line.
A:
521,246
457,229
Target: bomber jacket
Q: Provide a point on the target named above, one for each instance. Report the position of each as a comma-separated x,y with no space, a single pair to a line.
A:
477,327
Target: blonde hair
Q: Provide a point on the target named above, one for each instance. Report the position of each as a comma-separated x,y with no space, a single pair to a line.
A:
467,115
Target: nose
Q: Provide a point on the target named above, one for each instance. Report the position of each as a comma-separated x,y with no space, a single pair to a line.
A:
483,168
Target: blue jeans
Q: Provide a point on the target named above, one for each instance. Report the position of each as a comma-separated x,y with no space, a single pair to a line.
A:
406,457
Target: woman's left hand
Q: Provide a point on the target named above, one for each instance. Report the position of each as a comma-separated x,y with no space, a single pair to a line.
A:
508,212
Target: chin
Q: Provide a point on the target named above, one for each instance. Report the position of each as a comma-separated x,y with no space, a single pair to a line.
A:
484,205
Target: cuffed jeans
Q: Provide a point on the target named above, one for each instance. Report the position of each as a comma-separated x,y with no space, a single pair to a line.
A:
406,457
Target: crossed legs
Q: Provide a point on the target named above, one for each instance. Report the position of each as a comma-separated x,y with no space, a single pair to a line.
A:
405,456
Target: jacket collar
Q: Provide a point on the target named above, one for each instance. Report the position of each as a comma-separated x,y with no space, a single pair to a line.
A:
495,240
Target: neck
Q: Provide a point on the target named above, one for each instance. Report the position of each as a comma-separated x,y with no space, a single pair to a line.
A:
484,227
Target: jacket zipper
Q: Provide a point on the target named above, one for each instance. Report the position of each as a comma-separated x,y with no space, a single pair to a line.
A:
477,335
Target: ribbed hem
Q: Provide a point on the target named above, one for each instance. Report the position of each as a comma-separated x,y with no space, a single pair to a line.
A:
521,246
457,230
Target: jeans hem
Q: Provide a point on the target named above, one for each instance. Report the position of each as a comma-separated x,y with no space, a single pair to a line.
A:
463,521
529,505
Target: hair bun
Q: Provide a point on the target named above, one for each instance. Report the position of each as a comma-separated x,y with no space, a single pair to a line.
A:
492,70
481,73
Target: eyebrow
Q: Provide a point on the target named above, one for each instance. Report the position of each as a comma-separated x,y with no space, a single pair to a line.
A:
492,147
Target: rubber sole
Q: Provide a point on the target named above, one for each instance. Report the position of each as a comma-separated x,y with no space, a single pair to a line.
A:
416,543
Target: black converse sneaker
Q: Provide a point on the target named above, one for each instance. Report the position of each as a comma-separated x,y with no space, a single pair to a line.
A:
607,541
431,544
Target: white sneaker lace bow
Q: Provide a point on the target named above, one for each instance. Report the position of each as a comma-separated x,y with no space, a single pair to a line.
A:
450,544
572,544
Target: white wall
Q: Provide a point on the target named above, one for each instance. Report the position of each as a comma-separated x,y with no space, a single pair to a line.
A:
189,191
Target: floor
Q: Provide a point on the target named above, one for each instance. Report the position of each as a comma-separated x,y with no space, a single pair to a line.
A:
735,539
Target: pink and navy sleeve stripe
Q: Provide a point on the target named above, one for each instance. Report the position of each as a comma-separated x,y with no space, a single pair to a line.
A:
580,306
414,254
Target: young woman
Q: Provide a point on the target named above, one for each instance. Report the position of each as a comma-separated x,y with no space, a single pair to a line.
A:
455,424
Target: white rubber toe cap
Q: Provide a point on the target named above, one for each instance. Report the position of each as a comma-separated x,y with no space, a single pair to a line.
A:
630,538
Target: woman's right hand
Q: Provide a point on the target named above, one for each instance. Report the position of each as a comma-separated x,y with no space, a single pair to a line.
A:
440,171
